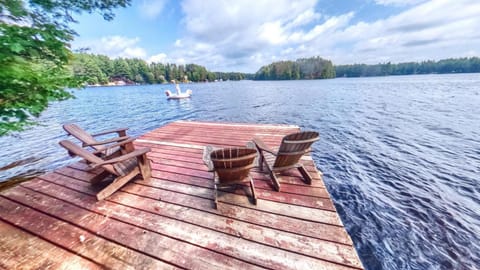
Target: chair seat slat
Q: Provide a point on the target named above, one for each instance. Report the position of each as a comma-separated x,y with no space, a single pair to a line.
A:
292,148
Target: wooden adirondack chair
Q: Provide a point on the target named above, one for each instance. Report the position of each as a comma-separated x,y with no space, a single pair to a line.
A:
230,166
105,148
293,147
124,167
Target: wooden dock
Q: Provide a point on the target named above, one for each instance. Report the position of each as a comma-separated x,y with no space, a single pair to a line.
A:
54,221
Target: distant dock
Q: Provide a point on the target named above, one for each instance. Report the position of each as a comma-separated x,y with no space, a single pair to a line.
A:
54,221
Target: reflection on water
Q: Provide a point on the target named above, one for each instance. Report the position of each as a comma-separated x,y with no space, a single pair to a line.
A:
400,155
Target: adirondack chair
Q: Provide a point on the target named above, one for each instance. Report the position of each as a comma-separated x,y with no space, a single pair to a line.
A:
230,166
124,167
292,148
108,148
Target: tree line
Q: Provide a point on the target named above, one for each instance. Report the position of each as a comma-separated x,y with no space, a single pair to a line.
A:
451,65
232,76
35,55
100,69
300,69
38,66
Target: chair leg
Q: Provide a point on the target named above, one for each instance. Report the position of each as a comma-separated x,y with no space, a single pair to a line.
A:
276,183
145,168
116,184
215,195
252,187
305,174
260,161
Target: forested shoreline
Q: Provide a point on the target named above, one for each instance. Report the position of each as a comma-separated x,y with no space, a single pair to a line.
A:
451,65
318,68
101,70
300,69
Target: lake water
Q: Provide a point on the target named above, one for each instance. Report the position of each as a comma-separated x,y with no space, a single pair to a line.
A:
400,155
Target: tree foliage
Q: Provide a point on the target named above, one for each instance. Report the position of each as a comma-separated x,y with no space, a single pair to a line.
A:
99,69
34,55
305,68
232,76
458,65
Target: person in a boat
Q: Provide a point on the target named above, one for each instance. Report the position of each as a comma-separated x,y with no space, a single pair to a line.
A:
177,87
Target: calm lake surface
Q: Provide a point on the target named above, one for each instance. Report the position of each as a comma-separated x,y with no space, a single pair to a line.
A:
400,155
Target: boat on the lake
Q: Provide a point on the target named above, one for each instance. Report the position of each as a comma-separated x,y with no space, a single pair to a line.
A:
170,95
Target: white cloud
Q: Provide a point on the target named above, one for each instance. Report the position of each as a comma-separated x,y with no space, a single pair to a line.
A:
180,61
217,20
134,52
178,43
330,26
117,42
152,8
433,30
305,18
272,33
398,2
237,30
244,35
158,58
115,46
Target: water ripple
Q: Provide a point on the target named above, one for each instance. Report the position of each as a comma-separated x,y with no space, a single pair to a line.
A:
400,155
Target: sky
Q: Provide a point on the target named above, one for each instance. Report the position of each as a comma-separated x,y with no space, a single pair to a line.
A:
244,35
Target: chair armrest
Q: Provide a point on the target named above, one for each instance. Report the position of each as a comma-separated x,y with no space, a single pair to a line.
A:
136,153
129,140
262,146
117,139
110,131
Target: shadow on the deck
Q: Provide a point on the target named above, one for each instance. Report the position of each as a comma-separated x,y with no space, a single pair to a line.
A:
169,221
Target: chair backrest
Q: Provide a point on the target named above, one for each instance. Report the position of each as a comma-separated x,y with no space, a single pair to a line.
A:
233,164
293,147
76,150
80,134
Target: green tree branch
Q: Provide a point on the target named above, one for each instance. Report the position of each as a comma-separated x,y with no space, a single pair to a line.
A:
35,55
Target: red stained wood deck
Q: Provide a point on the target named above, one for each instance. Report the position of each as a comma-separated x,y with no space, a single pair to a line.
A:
54,221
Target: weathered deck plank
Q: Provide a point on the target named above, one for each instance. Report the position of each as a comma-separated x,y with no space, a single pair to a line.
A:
169,221
21,250
69,237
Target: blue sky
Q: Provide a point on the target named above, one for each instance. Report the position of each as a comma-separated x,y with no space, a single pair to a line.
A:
244,35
